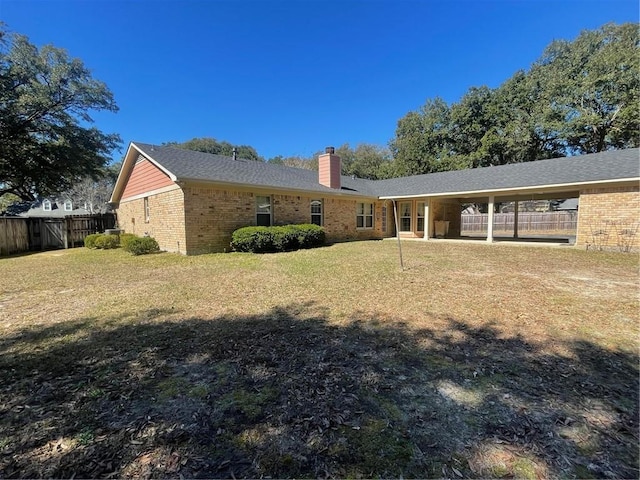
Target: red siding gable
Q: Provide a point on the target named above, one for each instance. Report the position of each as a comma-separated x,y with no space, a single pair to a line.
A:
145,177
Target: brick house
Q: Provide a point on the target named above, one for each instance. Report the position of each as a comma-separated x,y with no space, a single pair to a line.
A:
191,202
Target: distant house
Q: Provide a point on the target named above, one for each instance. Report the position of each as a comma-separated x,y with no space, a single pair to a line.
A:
57,223
53,208
568,205
191,202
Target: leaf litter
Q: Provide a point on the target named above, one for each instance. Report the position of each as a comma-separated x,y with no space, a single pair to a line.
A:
297,389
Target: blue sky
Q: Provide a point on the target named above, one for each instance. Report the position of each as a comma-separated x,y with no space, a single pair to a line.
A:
290,78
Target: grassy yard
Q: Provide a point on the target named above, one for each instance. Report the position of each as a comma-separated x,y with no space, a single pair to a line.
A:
476,361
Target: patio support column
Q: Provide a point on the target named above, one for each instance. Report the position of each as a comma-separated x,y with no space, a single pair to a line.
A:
515,219
490,207
427,220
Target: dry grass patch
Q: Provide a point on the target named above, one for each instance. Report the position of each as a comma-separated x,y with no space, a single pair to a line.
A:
475,361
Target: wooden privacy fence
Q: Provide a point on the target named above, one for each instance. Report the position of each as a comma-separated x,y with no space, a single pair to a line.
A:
19,234
14,235
532,222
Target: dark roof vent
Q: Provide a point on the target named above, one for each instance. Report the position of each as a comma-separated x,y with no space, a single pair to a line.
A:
330,150
235,153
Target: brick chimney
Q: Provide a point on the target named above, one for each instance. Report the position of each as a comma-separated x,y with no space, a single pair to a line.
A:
329,167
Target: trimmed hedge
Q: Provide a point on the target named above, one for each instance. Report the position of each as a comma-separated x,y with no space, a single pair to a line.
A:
128,241
107,242
102,241
125,238
90,240
141,246
277,239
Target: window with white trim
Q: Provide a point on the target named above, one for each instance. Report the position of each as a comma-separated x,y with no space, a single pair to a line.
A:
420,216
263,211
68,206
46,205
405,216
316,212
364,215
147,210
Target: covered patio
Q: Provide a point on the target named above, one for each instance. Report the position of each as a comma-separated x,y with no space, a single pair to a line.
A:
605,186
445,218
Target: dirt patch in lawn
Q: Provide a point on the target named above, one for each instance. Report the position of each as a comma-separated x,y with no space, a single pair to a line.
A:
176,379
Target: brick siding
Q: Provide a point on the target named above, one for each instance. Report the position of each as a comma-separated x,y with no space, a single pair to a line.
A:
166,219
609,218
201,219
449,210
340,220
212,214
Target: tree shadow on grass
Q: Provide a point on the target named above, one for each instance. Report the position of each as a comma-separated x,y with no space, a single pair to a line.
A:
290,394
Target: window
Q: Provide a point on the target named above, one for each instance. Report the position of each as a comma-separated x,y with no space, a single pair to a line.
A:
46,205
405,217
263,211
147,210
68,206
364,215
316,212
420,213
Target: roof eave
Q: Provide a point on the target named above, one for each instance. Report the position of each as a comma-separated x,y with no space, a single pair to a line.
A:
525,189
328,191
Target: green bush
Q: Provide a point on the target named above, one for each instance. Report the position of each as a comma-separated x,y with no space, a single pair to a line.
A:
314,236
252,239
141,245
277,239
125,238
285,238
90,240
107,242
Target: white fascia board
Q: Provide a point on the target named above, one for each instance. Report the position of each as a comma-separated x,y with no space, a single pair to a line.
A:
118,188
514,189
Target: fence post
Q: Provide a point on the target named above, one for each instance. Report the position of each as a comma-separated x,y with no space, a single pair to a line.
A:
65,234
6,236
41,229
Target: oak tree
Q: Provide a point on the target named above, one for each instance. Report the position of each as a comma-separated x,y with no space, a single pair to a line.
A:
211,145
47,141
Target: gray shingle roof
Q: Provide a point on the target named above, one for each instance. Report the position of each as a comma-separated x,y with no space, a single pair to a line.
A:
191,165
610,165
55,212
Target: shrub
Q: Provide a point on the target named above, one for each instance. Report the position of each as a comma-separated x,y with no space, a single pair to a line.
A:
312,235
142,245
252,239
90,240
125,238
285,238
277,239
107,241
